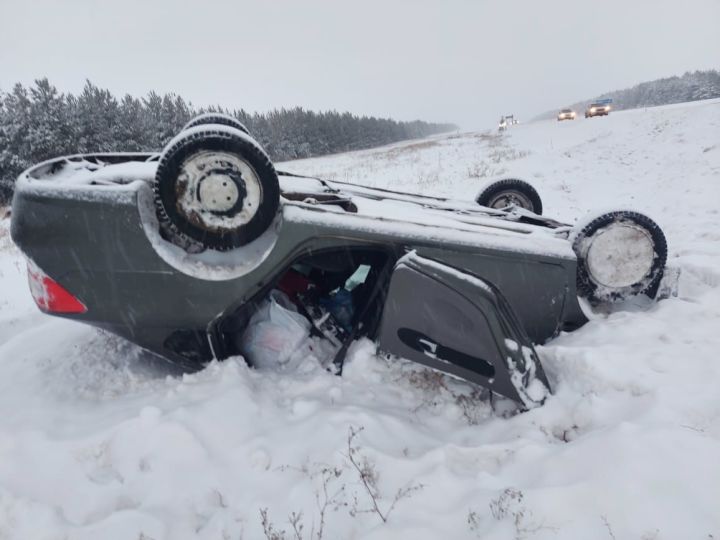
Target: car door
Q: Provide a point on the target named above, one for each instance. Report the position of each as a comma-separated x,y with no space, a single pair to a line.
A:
458,323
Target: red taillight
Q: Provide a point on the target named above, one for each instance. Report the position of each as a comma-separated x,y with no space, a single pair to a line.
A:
50,296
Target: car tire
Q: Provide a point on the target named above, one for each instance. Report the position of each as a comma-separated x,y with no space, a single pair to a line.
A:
215,186
625,237
218,119
511,190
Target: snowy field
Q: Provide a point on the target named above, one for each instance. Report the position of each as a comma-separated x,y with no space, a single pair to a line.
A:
97,444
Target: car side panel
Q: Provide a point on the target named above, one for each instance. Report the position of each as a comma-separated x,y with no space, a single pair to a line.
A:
538,289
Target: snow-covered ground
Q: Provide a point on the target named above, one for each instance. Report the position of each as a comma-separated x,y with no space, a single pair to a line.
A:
97,444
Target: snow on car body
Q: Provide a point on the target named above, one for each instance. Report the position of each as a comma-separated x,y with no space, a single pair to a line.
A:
453,285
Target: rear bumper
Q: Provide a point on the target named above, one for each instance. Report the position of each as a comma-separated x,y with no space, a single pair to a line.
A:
91,241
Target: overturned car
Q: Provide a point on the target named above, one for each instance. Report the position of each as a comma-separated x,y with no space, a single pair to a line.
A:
179,251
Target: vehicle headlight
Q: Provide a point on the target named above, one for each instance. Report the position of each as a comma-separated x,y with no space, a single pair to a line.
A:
592,109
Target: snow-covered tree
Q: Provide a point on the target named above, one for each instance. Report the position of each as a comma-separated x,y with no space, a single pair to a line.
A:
38,123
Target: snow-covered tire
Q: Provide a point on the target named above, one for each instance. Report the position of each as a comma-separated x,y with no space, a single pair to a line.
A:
508,191
216,118
216,185
620,254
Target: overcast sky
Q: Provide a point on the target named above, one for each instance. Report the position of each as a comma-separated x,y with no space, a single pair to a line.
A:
462,61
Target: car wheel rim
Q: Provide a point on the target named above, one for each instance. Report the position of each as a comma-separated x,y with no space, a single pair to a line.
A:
508,198
620,255
217,190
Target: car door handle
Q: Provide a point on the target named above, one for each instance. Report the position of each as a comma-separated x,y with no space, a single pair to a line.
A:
429,347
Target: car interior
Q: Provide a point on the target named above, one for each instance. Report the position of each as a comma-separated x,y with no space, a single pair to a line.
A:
339,291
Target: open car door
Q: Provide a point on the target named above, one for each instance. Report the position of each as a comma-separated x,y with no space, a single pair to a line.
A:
455,322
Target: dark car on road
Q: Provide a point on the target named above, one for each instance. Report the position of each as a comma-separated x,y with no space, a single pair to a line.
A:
177,251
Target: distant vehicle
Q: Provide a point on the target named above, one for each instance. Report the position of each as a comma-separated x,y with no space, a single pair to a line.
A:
566,114
597,109
506,121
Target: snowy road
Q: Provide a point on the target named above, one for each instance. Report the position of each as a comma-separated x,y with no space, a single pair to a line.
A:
96,444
